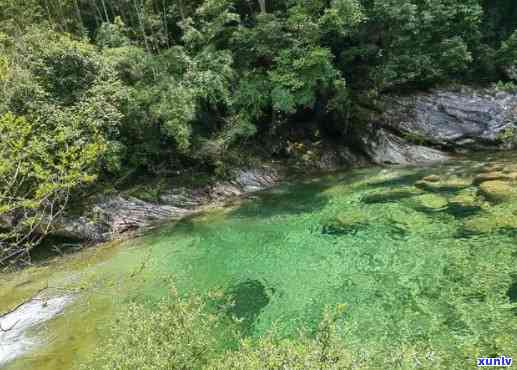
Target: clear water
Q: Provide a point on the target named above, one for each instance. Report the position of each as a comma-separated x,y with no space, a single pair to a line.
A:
429,265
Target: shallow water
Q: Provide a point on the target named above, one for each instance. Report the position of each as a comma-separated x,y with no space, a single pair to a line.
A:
417,263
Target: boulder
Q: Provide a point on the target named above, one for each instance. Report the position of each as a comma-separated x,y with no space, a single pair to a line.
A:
444,184
432,201
498,190
464,118
494,176
383,147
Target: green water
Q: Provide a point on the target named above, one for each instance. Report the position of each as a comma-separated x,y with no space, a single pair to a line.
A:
429,264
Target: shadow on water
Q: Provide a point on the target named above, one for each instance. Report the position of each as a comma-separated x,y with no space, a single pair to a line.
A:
409,179
460,211
285,201
512,293
335,229
464,233
388,197
247,300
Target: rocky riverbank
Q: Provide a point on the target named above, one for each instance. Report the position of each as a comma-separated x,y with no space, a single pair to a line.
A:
430,126
421,128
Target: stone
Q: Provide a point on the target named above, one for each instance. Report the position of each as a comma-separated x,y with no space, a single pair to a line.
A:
383,147
345,223
494,219
490,176
465,199
498,190
109,217
449,184
460,118
431,178
432,201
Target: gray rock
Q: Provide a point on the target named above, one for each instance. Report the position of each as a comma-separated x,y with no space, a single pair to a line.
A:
385,148
80,228
467,118
112,216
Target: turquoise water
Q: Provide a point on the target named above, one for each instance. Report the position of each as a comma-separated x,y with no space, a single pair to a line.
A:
426,263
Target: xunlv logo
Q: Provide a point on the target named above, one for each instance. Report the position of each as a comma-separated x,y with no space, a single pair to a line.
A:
495,361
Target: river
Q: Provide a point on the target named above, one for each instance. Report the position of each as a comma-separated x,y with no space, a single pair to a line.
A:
417,254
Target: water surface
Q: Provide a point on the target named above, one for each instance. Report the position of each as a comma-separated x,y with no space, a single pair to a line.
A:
420,256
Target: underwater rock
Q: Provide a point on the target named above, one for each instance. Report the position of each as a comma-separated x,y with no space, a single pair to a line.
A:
493,176
465,199
345,223
449,184
498,190
390,196
432,201
431,178
495,219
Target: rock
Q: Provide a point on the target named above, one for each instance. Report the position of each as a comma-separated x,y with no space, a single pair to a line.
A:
345,223
498,190
450,184
184,198
385,148
465,199
390,196
255,179
494,176
431,178
112,216
7,220
494,167
81,228
432,201
465,118
19,325
494,219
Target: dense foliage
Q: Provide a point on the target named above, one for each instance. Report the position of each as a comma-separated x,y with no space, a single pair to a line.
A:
102,88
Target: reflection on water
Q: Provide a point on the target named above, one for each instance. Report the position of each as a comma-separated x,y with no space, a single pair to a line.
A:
418,255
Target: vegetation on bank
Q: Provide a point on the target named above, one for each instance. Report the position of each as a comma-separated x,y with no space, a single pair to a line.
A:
92,90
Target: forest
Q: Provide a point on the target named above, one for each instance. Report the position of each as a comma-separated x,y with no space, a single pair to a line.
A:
98,90
101,92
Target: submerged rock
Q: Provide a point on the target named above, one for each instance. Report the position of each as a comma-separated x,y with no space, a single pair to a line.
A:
466,199
444,184
345,223
432,178
494,219
390,196
432,201
498,190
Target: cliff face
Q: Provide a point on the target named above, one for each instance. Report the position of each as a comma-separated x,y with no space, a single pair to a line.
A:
423,127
